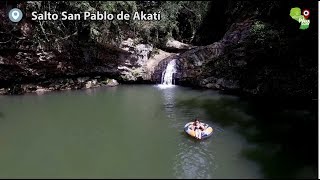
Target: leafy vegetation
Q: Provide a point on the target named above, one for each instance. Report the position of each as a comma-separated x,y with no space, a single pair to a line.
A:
114,31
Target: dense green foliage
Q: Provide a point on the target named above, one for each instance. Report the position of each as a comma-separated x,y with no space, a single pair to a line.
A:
114,31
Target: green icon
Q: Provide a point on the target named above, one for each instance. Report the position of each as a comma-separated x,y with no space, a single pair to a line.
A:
295,14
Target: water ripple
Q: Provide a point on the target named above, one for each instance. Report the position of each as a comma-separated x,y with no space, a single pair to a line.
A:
194,160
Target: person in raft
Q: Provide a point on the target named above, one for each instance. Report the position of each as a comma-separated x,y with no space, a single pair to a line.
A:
198,128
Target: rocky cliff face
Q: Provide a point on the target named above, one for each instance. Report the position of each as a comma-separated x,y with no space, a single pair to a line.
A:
37,56
27,65
259,54
209,67
253,48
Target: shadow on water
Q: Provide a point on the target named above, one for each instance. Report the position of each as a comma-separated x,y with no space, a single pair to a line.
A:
283,131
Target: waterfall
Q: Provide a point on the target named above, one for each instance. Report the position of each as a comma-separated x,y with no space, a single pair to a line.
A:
167,74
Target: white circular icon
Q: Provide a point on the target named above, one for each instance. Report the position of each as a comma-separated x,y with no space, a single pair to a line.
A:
15,15
306,13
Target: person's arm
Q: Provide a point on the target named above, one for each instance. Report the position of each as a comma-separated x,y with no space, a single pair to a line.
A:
193,127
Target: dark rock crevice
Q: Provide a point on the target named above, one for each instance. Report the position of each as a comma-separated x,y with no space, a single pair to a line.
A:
213,26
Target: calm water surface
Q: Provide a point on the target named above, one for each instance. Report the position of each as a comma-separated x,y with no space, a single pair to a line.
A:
135,132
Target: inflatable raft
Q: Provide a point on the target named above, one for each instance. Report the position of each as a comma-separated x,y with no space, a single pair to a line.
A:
204,134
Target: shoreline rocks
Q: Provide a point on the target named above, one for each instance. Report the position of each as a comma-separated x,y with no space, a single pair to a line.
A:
59,85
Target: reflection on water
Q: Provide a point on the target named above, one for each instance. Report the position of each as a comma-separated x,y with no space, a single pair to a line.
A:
168,96
93,91
195,160
165,86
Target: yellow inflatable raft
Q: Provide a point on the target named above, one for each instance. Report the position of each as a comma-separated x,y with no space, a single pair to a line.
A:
204,134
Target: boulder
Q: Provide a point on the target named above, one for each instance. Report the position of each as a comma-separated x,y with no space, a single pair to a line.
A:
173,45
88,84
41,90
112,82
94,82
82,79
142,52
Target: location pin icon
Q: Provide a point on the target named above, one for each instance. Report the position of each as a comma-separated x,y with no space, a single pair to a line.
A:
15,15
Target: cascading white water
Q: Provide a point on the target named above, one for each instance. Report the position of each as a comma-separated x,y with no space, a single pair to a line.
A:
167,75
